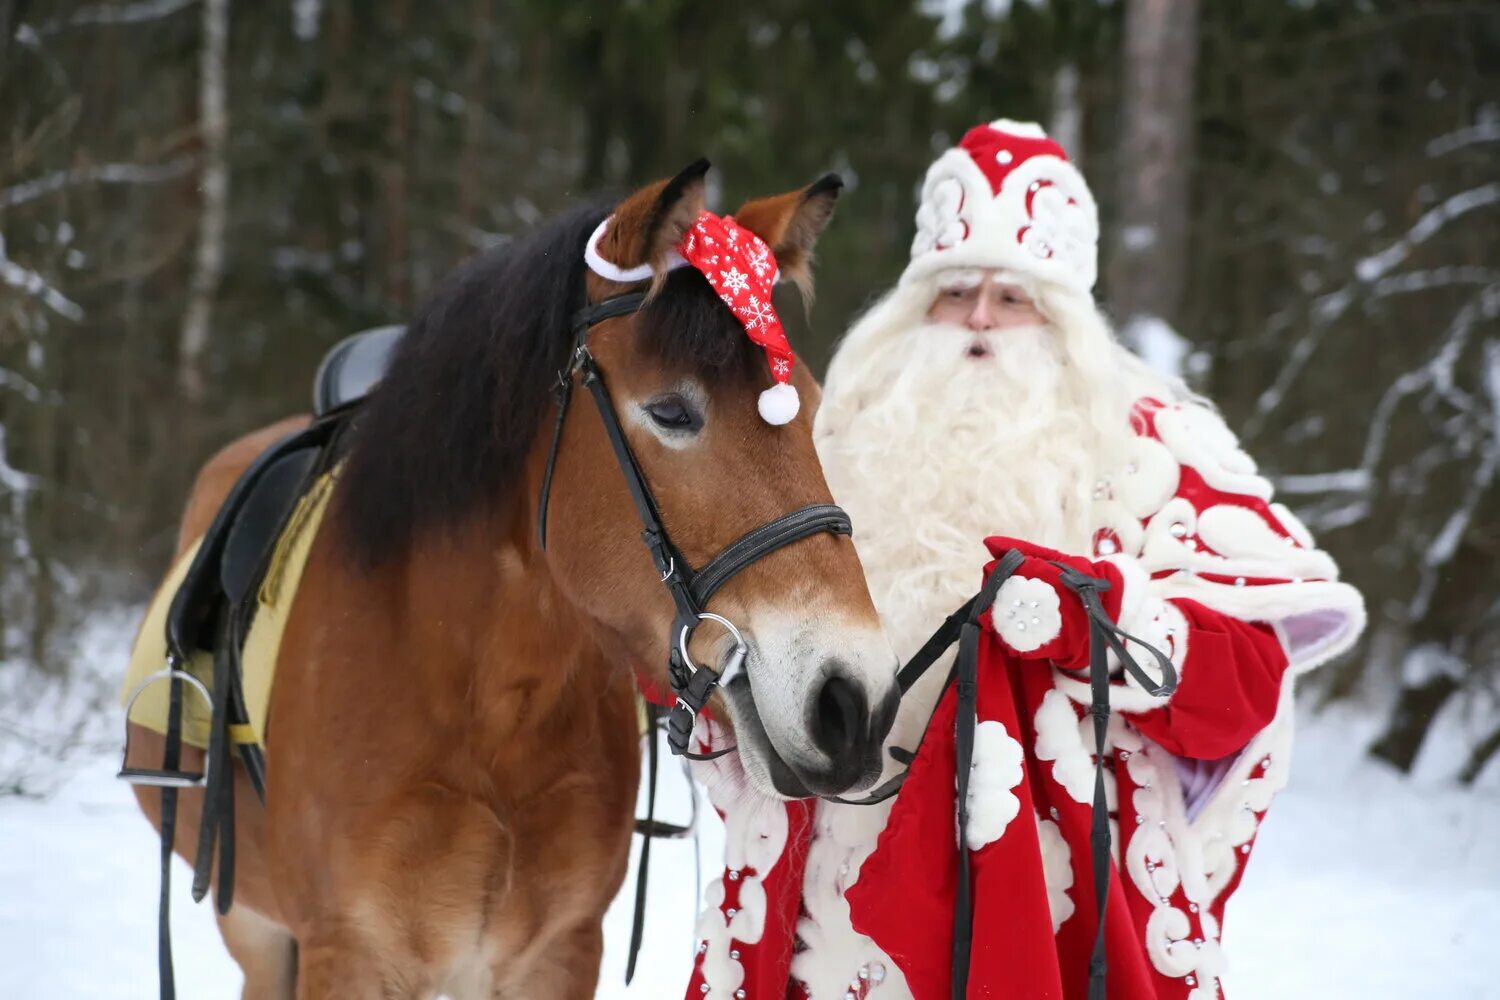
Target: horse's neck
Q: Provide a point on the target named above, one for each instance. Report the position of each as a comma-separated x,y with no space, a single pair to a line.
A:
511,647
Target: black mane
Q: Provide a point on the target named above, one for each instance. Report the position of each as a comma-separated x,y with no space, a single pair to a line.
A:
447,431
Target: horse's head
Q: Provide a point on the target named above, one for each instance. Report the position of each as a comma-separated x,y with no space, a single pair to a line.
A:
817,695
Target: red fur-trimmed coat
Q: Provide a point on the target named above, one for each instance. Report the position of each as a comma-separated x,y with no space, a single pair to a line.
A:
1206,568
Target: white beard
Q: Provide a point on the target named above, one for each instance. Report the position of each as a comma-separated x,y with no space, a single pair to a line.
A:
932,450
953,450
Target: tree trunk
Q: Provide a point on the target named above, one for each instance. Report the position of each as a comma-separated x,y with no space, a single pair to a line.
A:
396,179
208,263
1479,757
469,175
1066,125
1411,719
1148,268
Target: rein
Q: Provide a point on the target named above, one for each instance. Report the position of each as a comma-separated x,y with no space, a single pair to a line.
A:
690,589
962,626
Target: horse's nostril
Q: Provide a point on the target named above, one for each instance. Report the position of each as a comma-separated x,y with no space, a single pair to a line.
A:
842,716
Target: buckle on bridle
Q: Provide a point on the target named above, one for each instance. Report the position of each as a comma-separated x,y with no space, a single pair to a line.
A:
736,658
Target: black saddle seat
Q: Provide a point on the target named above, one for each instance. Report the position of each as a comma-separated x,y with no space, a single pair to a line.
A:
352,367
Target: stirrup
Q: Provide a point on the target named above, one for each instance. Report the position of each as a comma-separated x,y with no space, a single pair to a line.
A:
158,777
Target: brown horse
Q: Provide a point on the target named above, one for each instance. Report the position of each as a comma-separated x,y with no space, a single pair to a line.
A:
453,760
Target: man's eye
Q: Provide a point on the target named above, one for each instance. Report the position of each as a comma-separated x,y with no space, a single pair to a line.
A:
957,294
674,413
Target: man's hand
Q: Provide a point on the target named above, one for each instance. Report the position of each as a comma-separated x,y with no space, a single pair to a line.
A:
1038,618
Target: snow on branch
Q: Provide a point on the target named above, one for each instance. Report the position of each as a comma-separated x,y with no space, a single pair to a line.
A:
1377,266
125,13
34,284
104,173
1342,481
1374,270
1483,132
1436,373
17,482
27,389
1437,277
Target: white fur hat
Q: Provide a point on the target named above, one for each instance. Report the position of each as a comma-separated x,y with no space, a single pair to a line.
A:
1007,197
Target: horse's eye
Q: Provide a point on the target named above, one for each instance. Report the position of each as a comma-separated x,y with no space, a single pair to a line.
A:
674,413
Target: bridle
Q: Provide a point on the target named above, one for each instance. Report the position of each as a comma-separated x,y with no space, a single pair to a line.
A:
692,684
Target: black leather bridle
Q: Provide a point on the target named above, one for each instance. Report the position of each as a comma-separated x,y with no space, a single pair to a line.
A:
690,589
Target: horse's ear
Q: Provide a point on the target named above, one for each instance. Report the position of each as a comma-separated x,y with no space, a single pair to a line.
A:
649,223
791,223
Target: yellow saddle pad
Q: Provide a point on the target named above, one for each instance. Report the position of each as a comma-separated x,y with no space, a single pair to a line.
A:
258,659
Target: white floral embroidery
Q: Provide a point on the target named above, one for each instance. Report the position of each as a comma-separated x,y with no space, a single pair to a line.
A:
1027,613
996,771
1058,740
1057,871
939,224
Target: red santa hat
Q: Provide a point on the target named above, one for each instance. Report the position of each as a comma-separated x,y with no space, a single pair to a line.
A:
742,270
1006,197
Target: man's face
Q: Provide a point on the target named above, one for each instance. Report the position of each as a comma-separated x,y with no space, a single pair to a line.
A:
978,300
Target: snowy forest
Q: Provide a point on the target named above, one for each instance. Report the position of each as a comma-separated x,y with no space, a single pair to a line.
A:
1300,201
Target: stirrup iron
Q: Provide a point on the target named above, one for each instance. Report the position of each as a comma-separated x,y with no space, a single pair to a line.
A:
157,777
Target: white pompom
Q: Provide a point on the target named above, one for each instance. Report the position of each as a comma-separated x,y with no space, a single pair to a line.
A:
779,404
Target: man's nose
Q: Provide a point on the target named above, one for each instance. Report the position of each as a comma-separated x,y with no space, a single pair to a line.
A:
982,316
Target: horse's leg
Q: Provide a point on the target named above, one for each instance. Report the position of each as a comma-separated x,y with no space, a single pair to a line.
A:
567,969
333,964
265,951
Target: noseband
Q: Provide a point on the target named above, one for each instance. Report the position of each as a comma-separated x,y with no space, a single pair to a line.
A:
690,589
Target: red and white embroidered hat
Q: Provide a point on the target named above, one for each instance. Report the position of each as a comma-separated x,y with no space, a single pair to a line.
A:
1007,197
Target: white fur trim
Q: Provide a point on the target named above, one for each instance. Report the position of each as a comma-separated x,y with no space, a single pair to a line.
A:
1027,613
1315,619
779,404
996,772
833,952
614,272
1027,130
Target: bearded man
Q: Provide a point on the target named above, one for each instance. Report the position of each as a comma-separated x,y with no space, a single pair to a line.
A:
983,405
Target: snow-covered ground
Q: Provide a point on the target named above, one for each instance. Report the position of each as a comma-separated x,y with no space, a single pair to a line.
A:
1363,886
